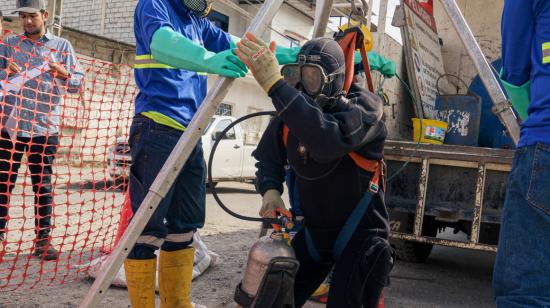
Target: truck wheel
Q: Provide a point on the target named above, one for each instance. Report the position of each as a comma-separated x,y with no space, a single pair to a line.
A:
410,251
489,233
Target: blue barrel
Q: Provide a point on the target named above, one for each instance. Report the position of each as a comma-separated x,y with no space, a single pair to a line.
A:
492,134
462,112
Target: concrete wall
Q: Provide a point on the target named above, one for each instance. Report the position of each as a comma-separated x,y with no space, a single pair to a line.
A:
398,111
288,18
119,18
7,6
484,18
116,23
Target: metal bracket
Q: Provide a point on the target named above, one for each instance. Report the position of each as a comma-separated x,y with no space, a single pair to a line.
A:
500,107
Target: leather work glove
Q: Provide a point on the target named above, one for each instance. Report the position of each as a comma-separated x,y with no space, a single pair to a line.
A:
272,205
284,55
261,60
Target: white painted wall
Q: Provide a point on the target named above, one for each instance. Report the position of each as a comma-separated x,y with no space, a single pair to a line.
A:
288,18
237,23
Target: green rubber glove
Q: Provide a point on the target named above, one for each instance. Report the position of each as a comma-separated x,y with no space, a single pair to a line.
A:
518,96
172,48
377,63
284,55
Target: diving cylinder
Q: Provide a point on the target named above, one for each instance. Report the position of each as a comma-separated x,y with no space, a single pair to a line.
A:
268,252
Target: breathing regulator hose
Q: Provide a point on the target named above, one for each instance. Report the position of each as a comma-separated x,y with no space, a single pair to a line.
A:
282,221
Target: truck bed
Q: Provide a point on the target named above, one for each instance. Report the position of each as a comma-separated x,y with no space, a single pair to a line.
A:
452,184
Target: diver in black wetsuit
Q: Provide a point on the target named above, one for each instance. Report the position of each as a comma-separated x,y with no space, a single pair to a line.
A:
334,143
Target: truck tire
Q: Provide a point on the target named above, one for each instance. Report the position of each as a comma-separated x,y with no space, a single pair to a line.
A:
410,251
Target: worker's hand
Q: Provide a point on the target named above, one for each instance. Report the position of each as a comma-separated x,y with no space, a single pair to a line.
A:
260,59
13,69
273,205
225,63
58,70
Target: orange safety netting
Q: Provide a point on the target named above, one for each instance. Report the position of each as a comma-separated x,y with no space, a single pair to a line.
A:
64,160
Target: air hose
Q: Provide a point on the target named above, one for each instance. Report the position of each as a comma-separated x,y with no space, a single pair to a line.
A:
282,221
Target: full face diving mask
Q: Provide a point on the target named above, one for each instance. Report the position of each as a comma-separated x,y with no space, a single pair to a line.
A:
312,77
200,8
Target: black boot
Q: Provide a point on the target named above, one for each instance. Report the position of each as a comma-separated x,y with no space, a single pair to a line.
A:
44,250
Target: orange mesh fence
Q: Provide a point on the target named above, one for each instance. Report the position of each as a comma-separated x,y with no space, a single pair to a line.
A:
64,160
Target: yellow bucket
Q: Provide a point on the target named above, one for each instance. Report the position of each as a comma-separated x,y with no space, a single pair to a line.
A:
431,131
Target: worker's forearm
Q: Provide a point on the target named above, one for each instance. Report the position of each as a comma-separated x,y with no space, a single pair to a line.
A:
171,48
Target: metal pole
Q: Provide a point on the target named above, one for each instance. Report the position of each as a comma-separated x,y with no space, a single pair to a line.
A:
103,15
171,169
382,26
369,15
346,5
322,14
502,107
381,34
55,9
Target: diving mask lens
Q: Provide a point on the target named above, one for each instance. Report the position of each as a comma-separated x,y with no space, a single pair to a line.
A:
313,79
291,74
310,76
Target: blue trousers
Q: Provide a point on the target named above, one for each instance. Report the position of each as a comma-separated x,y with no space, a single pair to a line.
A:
182,211
522,269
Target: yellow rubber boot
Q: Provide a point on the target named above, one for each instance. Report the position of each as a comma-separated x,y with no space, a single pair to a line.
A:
140,277
175,275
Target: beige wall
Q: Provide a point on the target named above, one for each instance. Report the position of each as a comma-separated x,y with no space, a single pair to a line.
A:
483,17
237,23
288,18
399,111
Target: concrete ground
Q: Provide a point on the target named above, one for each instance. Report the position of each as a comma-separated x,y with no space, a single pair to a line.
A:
450,277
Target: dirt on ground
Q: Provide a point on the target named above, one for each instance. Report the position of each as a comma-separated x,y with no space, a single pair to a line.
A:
230,238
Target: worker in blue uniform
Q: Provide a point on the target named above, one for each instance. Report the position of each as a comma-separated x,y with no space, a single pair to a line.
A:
521,275
176,47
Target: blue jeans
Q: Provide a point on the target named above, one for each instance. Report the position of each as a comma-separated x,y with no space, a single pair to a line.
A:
522,269
182,211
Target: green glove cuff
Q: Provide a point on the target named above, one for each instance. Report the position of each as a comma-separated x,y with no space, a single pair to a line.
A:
172,48
377,63
234,41
519,96
286,55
